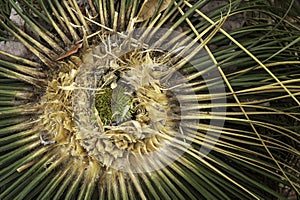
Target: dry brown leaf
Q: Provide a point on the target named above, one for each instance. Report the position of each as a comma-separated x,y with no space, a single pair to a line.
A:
71,52
149,7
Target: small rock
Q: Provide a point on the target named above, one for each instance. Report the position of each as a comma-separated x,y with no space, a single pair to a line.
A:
15,17
14,48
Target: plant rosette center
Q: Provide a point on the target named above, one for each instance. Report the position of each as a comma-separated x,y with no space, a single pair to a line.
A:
131,110
125,107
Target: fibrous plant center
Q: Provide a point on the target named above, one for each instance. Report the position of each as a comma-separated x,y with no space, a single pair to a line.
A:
132,109
127,109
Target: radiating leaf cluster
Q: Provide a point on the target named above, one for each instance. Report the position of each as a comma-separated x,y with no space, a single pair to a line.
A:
257,154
